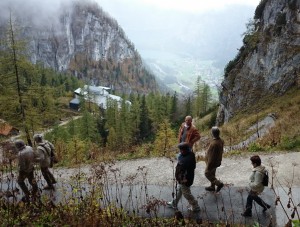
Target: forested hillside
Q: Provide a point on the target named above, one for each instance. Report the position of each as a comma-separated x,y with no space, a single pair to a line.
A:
35,97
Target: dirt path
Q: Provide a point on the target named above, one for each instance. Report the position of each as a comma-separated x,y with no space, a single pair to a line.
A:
234,170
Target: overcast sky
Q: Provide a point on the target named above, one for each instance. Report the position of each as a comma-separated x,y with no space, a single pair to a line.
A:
194,6
145,20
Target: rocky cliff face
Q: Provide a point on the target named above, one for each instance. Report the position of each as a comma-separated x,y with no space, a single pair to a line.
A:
269,61
85,41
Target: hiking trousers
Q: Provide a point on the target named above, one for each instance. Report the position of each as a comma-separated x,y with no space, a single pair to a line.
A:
21,182
254,196
48,176
186,192
210,174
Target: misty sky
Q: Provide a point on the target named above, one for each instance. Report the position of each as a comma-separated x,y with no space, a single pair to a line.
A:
192,6
163,24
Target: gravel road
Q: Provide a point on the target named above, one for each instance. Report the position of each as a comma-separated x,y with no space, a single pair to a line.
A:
234,170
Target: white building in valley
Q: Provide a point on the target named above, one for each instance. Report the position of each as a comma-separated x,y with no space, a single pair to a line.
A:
95,94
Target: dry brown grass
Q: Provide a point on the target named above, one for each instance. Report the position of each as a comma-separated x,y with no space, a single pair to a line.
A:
287,111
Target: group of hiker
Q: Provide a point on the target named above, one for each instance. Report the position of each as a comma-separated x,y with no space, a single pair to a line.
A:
27,158
185,169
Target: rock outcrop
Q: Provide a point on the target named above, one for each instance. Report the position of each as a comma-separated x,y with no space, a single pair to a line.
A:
269,61
84,40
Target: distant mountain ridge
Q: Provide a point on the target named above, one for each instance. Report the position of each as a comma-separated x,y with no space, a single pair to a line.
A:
268,64
91,45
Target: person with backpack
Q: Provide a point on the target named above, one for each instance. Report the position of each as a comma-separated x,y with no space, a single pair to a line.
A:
184,175
256,186
44,149
213,159
26,159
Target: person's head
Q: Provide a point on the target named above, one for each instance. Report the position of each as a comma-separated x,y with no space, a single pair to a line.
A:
255,160
188,120
38,138
184,147
20,144
215,132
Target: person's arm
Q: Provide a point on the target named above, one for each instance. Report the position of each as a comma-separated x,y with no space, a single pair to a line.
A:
195,137
209,156
180,133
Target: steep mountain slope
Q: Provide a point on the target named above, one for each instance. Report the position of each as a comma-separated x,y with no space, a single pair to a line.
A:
268,64
85,41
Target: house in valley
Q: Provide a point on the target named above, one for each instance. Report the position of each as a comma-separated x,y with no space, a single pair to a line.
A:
6,130
94,94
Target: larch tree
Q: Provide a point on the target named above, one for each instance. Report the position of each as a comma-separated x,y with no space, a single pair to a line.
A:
165,138
14,83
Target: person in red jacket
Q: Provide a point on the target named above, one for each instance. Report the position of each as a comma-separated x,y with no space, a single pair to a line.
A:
188,132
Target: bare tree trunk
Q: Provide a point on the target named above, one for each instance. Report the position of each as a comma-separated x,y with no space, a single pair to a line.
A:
15,63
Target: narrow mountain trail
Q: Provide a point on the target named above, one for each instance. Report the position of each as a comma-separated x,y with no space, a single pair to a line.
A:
235,170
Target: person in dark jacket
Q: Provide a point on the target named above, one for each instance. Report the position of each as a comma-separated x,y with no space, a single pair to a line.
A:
184,174
188,132
213,159
26,159
256,187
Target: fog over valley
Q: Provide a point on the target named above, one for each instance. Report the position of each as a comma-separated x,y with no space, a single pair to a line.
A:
178,44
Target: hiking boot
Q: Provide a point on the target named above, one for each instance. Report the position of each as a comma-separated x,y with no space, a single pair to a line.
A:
210,188
247,213
49,187
267,206
171,205
219,187
194,209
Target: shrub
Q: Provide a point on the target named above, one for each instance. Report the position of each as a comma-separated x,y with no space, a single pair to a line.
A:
288,143
255,147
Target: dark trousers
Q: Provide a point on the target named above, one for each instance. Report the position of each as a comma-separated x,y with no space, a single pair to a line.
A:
254,196
21,181
48,176
210,174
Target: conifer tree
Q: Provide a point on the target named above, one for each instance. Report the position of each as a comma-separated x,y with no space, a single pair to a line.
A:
88,128
145,126
112,140
188,106
206,98
198,97
134,117
165,138
174,108
13,78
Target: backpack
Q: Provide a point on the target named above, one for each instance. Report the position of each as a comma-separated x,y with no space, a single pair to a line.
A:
265,180
180,174
53,158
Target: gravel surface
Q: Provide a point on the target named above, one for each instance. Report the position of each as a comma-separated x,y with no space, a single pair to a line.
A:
234,170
